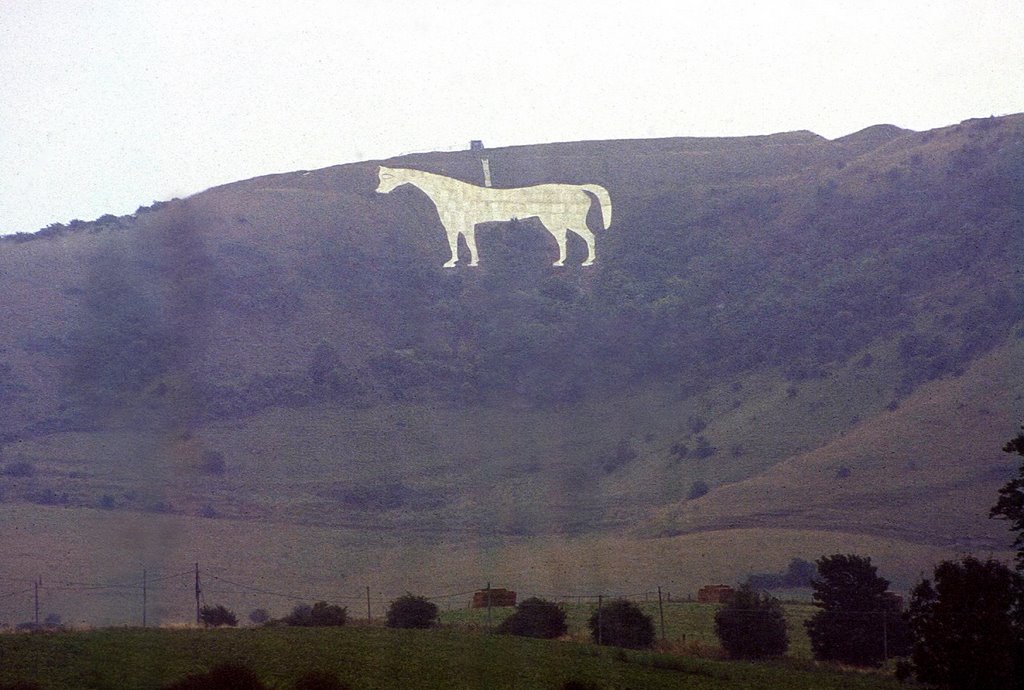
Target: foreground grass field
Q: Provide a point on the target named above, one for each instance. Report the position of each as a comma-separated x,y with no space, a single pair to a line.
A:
124,659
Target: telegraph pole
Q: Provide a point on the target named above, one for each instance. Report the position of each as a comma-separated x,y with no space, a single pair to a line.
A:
198,594
661,612
143,597
488,605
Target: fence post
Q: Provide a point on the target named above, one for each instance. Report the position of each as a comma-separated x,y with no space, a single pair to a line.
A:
488,605
661,612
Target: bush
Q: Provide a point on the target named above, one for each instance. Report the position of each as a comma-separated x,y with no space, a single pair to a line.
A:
216,616
259,616
535,618
621,623
752,625
221,677
410,611
963,627
320,614
697,489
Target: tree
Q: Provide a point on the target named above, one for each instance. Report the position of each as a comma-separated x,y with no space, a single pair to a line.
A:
621,623
320,614
860,621
1010,505
216,616
411,611
259,616
535,618
752,625
965,634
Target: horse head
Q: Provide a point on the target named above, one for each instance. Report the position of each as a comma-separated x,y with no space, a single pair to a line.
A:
388,179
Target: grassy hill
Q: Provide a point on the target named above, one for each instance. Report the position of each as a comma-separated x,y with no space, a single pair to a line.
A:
817,340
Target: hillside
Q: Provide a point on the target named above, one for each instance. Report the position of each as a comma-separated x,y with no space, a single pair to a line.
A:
780,332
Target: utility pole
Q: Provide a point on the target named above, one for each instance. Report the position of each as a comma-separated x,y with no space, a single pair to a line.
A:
661,612
368,617
885,636
35,586
488,605
143,597
198,594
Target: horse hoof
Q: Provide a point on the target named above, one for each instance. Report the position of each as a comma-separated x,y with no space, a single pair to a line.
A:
588,263
450,264
558,263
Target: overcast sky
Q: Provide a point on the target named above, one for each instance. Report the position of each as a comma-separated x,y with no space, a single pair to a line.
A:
108,106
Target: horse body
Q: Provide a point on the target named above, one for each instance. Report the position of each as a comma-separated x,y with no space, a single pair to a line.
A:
461,206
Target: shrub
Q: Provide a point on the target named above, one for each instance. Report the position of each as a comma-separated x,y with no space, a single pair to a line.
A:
259,616
704,449
535,618
752,625
221,677
621,623
216,616
411,611
320,614
697,489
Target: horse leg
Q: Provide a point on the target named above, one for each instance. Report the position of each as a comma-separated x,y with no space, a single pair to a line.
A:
588,237
453,244
470,234
559,236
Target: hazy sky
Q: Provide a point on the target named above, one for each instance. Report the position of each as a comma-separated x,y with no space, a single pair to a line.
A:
108,106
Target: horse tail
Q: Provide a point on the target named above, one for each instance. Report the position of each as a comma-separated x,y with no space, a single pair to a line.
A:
606,201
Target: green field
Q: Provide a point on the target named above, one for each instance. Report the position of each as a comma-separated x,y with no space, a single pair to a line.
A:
374,657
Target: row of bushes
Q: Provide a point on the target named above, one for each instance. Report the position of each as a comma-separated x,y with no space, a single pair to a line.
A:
408,611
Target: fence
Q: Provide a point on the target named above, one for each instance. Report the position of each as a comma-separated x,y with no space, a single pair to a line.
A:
175,598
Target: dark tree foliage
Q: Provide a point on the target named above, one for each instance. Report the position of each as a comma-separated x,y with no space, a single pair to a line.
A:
752,625
621,623
221,677
320,614
535,618
411,611
217,616
860,622
1010,505
966,626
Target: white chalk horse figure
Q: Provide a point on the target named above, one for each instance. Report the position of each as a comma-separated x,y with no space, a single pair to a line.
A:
461,206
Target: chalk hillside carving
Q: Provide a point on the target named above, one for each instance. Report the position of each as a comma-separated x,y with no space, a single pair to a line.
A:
561,208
